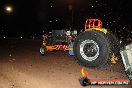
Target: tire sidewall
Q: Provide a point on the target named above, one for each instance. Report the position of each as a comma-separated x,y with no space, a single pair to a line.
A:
103,45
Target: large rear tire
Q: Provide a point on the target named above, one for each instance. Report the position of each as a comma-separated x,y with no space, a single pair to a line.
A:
92,49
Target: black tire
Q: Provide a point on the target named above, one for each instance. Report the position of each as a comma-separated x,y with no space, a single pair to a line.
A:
101,42
43,51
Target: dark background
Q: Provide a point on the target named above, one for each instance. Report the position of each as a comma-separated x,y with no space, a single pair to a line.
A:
31,18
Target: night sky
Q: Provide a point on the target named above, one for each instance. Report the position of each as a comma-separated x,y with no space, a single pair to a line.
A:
33,17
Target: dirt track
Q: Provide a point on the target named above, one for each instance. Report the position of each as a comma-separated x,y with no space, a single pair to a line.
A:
21,66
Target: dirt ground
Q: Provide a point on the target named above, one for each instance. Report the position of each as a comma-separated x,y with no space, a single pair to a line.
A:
21,66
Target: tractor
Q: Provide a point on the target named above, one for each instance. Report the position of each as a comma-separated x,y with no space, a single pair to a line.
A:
93,47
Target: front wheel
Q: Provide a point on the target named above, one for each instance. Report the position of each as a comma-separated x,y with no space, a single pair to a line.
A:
43,51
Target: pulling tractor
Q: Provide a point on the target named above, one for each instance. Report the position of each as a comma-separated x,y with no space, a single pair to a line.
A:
93,47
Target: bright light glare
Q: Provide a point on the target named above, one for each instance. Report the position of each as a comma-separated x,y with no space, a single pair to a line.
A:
9,9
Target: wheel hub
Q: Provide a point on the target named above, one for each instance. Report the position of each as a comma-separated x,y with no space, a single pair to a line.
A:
89,50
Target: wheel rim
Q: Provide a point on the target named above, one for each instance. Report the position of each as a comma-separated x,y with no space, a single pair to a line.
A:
89,50
42,50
